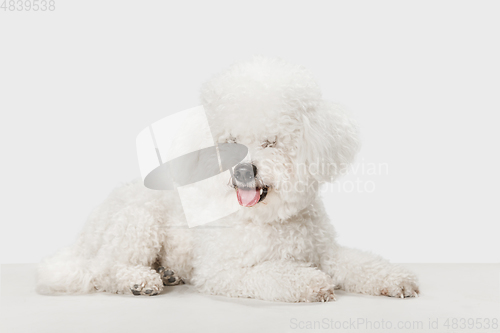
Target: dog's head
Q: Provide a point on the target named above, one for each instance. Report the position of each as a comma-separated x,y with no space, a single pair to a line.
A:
296,140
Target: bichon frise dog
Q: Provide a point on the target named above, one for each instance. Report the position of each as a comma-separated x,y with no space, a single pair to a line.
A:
280,246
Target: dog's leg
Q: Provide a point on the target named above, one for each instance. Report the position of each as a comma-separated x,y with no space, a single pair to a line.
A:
286,281
169,277
358,271
139,280
129,248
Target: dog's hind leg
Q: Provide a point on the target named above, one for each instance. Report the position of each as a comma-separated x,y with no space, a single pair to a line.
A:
64,272
362,272
279,280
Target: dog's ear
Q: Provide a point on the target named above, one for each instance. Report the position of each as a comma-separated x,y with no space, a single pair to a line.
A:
330,141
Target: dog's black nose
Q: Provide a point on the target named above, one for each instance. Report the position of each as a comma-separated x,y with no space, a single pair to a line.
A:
245,172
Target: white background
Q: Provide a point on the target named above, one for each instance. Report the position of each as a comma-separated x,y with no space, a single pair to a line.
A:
422,78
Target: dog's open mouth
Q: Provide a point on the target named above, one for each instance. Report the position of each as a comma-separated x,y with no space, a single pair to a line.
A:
248,197
249,187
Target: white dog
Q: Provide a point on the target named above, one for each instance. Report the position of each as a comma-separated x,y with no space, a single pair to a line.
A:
280,247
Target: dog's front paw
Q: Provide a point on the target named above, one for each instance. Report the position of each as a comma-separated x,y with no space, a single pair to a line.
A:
400,283
145,289
169,277
147,283
319,289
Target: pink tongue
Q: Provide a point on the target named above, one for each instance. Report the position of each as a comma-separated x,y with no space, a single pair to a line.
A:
248,198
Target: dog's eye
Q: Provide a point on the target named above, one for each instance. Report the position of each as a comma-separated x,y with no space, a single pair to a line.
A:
231,139
269,144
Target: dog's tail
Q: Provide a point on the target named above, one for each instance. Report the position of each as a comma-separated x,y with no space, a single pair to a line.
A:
64,272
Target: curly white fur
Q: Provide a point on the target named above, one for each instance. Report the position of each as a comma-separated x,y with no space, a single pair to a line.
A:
282,249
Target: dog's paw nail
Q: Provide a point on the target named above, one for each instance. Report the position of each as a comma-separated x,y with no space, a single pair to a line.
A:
171,280
160,269
136,292
148,291
168,273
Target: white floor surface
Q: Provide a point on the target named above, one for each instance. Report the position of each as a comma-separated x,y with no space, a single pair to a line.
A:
452,295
